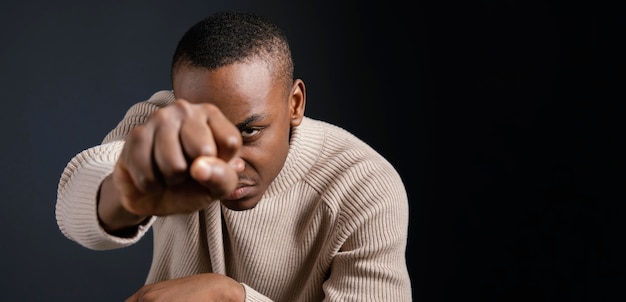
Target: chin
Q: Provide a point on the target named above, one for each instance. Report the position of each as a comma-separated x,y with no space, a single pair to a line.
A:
239,205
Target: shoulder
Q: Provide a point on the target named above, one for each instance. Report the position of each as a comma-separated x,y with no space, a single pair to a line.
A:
342,151
351,170
162,98
145,108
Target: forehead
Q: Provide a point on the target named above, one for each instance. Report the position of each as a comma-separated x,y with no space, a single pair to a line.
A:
239,89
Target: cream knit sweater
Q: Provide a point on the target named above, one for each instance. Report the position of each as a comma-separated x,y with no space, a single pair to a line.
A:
331,227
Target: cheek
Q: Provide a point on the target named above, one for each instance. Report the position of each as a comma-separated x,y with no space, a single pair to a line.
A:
268,154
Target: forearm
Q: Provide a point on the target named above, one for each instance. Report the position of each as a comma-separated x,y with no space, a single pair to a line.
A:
77,208
76,211
113,217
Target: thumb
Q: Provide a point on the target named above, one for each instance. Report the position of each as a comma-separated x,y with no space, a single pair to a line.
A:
215,174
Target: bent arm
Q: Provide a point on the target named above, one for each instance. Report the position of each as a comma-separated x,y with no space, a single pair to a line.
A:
76,208
82,181
371,262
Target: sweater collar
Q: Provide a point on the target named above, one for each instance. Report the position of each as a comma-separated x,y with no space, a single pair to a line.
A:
304,149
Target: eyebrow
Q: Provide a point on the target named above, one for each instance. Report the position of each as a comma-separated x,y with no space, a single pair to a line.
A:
251,119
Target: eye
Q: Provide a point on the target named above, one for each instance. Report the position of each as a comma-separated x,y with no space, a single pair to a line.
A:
249,132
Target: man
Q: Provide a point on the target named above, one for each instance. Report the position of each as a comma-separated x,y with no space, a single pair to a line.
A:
248,199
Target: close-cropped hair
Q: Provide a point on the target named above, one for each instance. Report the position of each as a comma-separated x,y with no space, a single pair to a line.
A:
229,37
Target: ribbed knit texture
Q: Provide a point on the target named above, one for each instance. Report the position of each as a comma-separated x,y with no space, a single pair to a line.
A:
331,227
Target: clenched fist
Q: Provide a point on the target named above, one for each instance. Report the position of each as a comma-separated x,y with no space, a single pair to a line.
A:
183,158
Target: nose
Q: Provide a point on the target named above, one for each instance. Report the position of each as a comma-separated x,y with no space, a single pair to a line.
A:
237,163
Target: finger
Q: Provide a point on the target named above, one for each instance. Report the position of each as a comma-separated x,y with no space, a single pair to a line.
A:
196,137
226,136
169,157
216,175
137,159
128,191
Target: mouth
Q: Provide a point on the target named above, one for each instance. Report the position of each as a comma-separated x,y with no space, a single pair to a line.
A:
242,190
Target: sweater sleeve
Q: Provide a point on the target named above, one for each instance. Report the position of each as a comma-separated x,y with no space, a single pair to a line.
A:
253,295
372,257
371,231
77,192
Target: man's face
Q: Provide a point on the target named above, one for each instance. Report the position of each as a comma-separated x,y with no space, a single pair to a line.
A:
259,107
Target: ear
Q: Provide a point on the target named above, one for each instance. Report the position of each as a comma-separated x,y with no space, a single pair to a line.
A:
297,102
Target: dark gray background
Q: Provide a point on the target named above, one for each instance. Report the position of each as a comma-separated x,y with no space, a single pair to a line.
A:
497,114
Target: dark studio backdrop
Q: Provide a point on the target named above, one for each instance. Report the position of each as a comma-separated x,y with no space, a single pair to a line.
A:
495,113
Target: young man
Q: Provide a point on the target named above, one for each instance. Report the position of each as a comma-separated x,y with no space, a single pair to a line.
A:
248,199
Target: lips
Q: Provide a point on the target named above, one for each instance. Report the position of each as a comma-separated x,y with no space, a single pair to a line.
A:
240,192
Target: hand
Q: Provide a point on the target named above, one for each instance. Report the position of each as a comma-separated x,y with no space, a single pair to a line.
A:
198,288
180,160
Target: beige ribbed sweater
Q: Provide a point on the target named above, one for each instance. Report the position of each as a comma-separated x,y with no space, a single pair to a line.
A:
331,227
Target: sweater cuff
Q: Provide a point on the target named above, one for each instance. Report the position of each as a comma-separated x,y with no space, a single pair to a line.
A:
254,296
76,208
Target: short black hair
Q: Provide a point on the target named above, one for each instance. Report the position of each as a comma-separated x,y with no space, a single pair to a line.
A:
230,37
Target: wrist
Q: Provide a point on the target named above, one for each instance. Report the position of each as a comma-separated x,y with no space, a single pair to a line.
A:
113,217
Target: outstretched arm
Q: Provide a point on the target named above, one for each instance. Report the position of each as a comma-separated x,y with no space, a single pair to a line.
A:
81,180
180,160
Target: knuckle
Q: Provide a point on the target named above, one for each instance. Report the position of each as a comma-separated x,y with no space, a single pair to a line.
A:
146,182
136,134
174,168
209,108
233,141
161,116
